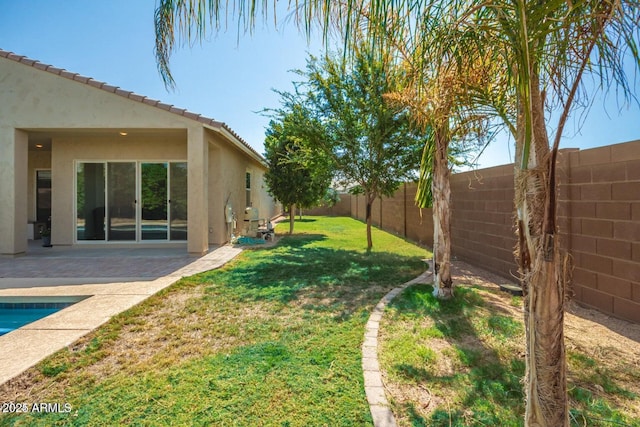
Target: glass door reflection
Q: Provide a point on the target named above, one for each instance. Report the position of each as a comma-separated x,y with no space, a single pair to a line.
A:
90,201
121,201
154,221
178,200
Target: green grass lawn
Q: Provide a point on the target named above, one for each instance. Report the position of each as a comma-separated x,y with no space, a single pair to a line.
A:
271,339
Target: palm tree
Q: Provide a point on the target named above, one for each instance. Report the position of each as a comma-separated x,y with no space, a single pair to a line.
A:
437,95
438,111
545,49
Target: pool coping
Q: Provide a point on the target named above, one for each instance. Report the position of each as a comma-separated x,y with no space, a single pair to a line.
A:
25,347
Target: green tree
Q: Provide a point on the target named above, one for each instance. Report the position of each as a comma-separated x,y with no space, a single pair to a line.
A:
369,138
299,174
330,198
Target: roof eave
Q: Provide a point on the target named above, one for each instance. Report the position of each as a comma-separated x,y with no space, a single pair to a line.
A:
226,132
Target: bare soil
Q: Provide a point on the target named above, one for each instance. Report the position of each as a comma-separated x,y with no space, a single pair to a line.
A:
585,328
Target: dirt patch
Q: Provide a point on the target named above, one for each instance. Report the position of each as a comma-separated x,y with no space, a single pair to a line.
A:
613,343
587,326
348,297
418,397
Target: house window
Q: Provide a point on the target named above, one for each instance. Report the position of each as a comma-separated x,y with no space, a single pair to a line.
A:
248,188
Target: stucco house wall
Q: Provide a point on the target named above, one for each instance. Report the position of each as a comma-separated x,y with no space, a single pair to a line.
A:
227,183
74,118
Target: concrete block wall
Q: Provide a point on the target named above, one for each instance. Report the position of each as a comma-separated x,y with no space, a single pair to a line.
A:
376,213
398,215
482,222
393,212
598,222
342,208
361,207
603,189
419,221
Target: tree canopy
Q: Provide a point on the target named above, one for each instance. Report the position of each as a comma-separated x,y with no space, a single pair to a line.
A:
299,173
370,139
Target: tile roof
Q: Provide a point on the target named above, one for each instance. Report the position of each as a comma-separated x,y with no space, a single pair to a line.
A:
126,94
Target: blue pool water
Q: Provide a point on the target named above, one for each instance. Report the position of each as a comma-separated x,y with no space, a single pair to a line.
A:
16,312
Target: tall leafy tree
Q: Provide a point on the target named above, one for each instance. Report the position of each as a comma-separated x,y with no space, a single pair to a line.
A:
545,48
299,173
370,139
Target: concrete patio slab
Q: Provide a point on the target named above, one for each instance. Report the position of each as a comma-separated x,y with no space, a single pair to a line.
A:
102,264
87,314
21,349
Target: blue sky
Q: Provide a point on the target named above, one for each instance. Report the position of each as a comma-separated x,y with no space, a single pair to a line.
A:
227,78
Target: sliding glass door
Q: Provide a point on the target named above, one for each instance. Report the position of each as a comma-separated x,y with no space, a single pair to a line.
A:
131,201
121,200
178,200
154,199
90,201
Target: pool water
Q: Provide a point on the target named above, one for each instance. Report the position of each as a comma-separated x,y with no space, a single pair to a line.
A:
16,312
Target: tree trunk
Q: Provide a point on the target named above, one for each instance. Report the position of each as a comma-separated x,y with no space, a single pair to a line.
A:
369,199
543,274
441,192
292,217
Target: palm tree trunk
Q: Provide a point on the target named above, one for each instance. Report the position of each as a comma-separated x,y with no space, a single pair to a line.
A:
292,217
441,192
543,276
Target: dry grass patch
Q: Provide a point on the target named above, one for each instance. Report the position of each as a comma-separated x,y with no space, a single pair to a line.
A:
170,328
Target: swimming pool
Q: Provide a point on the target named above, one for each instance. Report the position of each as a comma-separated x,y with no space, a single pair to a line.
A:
16,312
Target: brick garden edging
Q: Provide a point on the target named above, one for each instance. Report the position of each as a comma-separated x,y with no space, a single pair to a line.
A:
373,386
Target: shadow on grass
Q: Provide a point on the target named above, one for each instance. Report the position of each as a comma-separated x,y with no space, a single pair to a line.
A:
487,387
319,277
306,220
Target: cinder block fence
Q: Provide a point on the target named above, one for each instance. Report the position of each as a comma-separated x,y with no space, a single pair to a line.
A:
599,222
